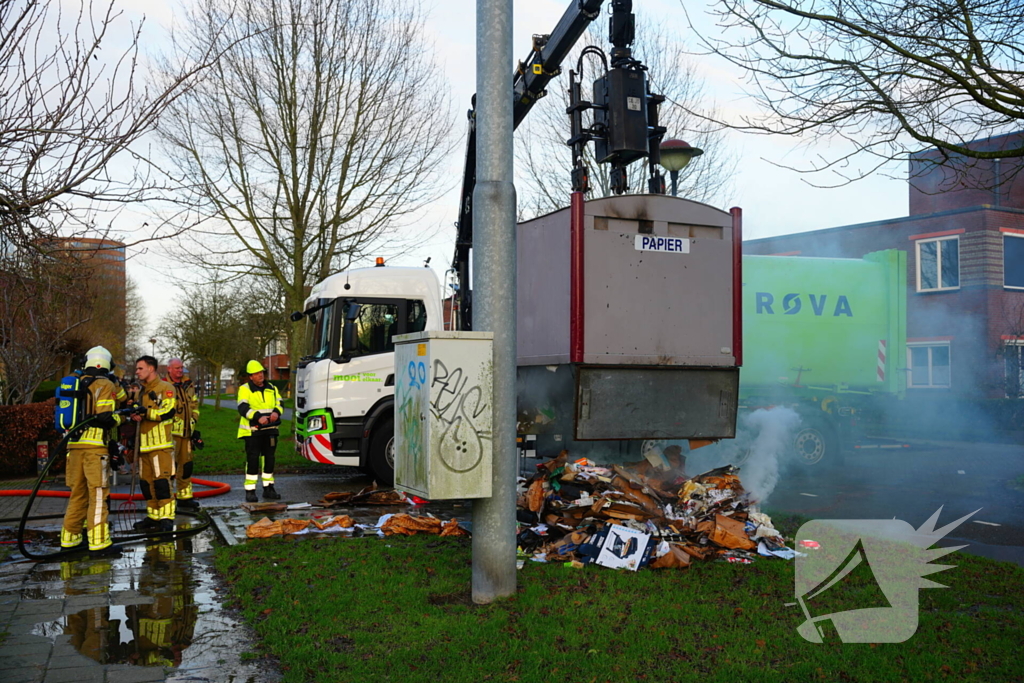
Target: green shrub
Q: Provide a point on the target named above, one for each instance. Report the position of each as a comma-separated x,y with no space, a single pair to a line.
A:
45,391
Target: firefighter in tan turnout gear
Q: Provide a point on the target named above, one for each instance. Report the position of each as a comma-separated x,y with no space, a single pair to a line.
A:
259,405
186,415
155,446
88,468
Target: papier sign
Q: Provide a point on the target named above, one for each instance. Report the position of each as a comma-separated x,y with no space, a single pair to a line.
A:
673,245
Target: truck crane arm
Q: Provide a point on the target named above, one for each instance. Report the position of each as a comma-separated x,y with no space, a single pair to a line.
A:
529,84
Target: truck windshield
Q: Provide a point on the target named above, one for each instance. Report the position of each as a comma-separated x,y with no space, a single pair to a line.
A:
375,326
379,321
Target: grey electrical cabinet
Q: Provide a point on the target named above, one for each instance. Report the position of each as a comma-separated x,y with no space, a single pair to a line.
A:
443,414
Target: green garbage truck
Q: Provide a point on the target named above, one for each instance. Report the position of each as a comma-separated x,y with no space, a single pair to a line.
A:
826,337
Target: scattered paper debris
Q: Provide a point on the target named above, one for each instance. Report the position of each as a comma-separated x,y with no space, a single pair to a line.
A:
370,495
640,515
264,507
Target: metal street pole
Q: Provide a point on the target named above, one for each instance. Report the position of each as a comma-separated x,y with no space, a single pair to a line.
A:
494,296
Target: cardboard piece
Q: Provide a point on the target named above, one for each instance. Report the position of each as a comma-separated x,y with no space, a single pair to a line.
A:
730,533
623,548
675,558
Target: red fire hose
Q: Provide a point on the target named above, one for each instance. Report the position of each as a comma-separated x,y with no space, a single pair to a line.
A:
217,488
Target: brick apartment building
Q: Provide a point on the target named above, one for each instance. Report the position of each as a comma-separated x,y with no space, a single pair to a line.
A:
965,272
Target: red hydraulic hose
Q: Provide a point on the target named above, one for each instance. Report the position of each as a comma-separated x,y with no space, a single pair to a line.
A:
217,488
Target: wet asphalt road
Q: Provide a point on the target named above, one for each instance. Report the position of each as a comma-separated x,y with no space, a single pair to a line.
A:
912,483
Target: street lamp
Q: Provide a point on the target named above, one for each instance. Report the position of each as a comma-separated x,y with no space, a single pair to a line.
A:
153,343
675,155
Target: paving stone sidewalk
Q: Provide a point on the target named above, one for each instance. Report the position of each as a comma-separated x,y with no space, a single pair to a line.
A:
154,614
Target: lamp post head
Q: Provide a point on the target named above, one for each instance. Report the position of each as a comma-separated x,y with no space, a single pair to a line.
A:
676,154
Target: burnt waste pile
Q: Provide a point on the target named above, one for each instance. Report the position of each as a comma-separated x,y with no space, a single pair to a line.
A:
640,515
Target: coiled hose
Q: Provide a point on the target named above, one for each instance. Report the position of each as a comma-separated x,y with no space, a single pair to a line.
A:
61,451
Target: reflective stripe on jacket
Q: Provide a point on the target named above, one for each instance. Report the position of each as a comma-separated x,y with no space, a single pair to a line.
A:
252,400
158,400
103,398
186,408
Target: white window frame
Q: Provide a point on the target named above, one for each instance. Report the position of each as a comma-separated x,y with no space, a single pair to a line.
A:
938,263
910,364
1006,286
1018,346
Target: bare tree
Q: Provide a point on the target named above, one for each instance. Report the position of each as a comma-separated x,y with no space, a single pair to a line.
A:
71,104
544,161
41,307
136,323
204,327
310,142
890,78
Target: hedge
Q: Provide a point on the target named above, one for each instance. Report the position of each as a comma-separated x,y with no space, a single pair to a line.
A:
45,391
21,427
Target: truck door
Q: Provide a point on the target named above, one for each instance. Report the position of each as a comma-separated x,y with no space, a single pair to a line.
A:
363,373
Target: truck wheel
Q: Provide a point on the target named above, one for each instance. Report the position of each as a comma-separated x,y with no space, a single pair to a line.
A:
382,453
815,445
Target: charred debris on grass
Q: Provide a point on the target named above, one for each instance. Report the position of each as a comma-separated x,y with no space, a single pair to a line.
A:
630,517
576,512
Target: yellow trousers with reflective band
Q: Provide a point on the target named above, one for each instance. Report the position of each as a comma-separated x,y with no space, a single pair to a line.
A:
156,472
88,476
183,466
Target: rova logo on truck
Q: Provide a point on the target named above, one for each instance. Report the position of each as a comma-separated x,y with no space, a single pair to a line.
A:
792,303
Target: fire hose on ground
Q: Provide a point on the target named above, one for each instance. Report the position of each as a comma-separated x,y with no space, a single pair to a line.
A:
217,488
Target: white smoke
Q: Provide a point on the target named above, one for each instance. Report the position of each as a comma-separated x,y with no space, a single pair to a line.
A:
764,439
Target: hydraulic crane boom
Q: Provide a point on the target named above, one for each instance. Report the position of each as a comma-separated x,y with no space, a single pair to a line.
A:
529,84
625,120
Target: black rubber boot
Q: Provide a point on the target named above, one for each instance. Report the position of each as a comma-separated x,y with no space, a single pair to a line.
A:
146,524
166,525
188,504
110,552
250,497
270,494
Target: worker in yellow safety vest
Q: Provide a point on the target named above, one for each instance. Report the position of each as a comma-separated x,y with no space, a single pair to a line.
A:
186,414
155,446
88,466
259,404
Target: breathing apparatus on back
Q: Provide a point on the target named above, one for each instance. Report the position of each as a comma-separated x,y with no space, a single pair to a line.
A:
72,395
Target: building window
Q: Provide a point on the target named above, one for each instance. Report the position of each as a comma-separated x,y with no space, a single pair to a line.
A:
938,264
1013,261
1014,370
929,365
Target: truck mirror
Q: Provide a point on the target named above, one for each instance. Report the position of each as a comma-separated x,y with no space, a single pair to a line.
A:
348,334
297,316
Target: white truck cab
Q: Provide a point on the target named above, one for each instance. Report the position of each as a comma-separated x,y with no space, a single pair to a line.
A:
345,384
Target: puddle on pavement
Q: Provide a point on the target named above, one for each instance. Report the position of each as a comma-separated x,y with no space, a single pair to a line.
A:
158,606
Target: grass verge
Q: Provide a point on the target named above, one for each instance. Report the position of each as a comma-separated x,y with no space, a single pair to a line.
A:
224,452
400,610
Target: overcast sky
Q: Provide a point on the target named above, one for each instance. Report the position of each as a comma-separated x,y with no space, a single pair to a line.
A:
775,201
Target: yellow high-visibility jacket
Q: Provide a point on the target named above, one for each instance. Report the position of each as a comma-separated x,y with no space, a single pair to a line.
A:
104,396
252,400
186,407
158,400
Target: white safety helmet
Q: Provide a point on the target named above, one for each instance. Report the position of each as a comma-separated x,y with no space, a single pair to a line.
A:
98,357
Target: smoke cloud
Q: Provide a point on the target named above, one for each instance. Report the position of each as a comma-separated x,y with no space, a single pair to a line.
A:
763,443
